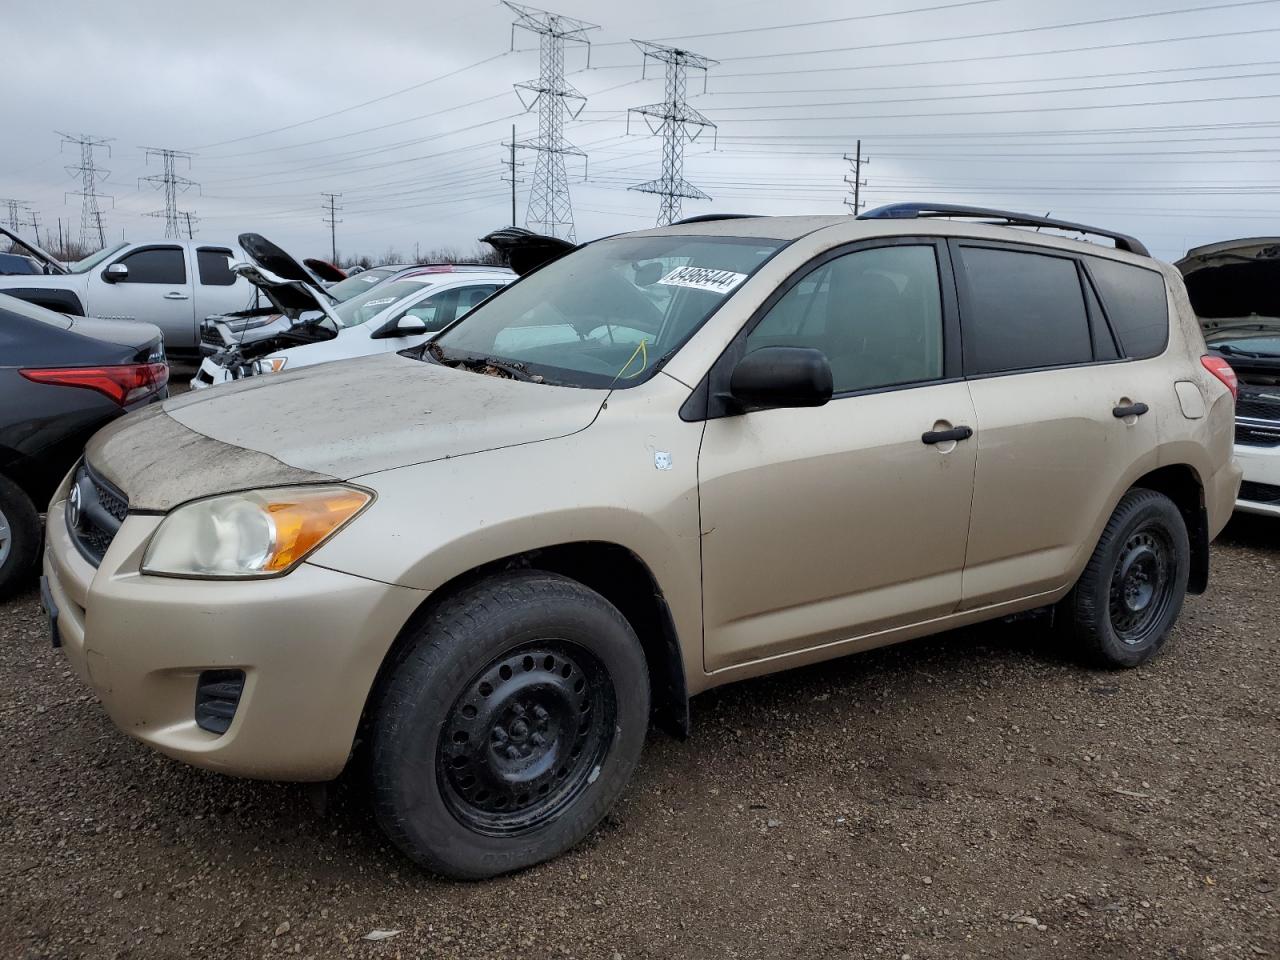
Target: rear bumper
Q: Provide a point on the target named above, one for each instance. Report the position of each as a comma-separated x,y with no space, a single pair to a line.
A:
310,645
1261,466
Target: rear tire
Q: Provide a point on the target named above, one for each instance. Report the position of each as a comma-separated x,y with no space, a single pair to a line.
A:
1123,607
508,725
19,537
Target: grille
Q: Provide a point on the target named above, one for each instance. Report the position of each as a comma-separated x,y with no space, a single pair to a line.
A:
1259,492
217,697
1257,407
209,334
95,510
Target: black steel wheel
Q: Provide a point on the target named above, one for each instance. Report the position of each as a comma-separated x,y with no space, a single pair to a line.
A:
507,724
522,741
1126,601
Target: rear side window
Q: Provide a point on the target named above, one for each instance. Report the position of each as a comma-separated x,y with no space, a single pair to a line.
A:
215,267
156,265
1024,311
1136,305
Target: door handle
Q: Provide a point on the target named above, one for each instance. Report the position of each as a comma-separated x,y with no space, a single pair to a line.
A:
1129,410
946,436
175,295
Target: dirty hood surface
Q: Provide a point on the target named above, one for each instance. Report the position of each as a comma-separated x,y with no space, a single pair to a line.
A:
332,421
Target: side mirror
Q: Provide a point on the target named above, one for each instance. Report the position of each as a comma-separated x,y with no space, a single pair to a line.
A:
774,377
407,326
115,273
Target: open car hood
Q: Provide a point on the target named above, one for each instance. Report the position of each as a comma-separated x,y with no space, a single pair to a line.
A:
292,288
50,263
325,270
1234,283
526,250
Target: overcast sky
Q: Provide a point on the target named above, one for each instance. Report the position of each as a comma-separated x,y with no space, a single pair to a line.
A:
1162,124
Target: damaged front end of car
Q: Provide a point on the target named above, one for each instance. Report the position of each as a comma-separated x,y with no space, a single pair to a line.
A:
239,345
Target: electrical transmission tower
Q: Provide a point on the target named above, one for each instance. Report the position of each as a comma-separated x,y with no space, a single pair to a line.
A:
677,123
331,207
17,209
91,225
854,201
550,208
172,184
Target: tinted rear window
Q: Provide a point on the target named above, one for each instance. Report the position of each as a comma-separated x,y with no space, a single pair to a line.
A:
215,268
1135,301
1023,311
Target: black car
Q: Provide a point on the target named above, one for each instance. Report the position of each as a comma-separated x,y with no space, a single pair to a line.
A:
61,379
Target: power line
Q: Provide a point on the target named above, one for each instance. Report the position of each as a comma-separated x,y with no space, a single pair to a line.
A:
17,209
172,184
90,213
676,122
550,207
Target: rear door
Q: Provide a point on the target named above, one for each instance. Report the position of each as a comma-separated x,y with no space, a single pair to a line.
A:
217,289
158,289
1047,378
827,524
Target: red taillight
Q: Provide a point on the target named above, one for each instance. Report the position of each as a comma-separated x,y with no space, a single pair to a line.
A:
1222,370
123,384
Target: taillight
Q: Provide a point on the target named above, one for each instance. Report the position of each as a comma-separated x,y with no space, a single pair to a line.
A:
123,384
1222,370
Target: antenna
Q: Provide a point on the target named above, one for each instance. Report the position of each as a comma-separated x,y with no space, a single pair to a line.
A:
91,224
172,185
550,207
677,123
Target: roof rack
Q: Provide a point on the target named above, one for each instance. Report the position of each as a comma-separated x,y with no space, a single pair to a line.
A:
708,217
913,211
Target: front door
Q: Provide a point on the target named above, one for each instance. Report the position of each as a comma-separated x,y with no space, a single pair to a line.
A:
822,525
157,289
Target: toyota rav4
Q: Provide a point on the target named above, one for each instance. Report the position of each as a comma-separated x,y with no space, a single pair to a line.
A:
663,462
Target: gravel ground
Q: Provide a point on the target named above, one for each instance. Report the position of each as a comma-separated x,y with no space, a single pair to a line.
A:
975,794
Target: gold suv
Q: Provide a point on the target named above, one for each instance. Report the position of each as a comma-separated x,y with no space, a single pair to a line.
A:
662,462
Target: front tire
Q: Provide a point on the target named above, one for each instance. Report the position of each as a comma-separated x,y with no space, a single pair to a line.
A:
1124,605
19,536
508,726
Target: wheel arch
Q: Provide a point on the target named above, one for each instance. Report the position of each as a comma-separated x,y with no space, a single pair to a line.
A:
1181,483
617,574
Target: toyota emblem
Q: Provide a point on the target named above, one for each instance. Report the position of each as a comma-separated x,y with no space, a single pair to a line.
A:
73,508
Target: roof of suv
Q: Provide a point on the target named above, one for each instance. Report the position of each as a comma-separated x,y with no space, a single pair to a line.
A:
792,228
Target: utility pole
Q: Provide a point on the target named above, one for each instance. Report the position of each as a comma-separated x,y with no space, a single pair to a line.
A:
172,185
91,224
511,177
856,182
550,207
676,122
331,202
33,221
190,232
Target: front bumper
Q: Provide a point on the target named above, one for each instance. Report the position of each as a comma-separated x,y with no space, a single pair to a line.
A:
310,645
1261,467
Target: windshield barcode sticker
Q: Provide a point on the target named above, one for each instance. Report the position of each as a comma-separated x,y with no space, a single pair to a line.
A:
703,278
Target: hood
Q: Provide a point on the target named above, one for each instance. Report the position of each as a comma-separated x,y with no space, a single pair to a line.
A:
47,261
280,429
325,270
526,250
1233,282
290,287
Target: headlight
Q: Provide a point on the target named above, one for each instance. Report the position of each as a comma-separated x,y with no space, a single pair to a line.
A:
258,533
270,364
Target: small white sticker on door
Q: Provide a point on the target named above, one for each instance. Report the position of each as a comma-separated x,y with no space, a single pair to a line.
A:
703,278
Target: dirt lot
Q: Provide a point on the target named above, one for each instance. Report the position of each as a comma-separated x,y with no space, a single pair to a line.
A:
972,795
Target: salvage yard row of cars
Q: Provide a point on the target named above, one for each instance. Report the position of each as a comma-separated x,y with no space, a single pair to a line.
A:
671,459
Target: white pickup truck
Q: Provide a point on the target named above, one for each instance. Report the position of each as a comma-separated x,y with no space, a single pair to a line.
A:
174,284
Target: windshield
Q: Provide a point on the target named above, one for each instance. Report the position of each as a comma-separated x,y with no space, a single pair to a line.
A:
609,313
365,306
91,261
362,281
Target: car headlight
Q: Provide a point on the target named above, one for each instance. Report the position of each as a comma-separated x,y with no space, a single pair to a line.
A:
257,533
270,364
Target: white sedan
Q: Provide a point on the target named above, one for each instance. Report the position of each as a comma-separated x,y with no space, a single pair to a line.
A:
393,315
